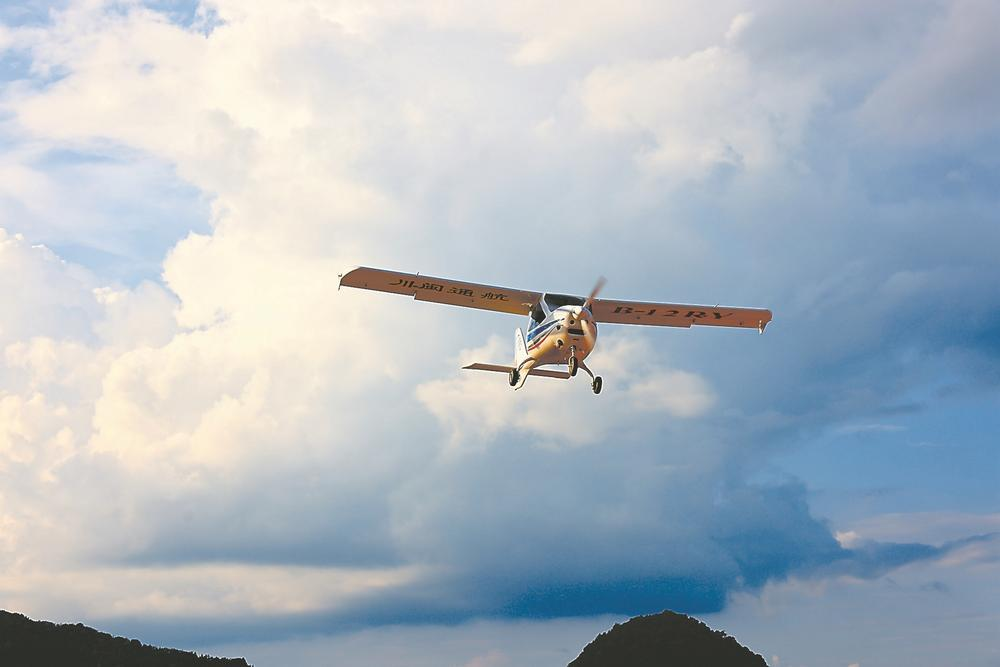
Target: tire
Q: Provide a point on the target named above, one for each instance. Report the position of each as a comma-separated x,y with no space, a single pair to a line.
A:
574,366
597,384
513,377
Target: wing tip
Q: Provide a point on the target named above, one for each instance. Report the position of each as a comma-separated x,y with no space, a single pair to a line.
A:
764,321
343,276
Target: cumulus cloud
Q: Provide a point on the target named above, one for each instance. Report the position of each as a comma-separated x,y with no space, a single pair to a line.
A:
476,408
708,109
203,591
51,297
947,91
239,434
206,424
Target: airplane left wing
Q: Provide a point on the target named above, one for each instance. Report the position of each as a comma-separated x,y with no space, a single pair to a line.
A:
441,290
678,314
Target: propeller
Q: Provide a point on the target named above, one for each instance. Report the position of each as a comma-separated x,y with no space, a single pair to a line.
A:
594,292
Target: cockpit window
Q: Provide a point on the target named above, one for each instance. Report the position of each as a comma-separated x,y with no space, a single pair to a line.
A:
554,301
537,314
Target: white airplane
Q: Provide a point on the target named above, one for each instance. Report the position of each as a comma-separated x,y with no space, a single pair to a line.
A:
562,329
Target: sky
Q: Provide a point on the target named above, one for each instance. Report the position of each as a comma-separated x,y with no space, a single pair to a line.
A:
204,444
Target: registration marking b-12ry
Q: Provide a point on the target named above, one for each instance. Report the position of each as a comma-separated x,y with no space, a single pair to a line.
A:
562,329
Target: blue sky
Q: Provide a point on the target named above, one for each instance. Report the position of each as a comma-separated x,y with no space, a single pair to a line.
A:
204,443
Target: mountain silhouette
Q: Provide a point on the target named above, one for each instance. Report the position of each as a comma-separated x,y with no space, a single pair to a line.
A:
660,640
28,643
666,640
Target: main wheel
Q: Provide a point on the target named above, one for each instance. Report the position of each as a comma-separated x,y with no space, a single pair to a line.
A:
574,366
597,384
513,377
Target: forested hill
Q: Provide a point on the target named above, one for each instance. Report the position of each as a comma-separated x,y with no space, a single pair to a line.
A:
665,640
661,640
28,643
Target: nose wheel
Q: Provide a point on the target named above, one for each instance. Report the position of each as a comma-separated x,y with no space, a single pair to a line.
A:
573,363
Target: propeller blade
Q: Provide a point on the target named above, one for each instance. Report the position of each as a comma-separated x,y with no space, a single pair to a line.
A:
594,292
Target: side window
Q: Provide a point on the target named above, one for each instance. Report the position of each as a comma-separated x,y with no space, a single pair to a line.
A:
537,314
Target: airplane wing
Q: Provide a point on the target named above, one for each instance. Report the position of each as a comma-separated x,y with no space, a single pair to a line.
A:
441,290
678,314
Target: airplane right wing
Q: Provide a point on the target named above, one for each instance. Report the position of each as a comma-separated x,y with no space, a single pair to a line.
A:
678,314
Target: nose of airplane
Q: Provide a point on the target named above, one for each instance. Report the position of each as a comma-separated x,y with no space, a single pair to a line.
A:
578,316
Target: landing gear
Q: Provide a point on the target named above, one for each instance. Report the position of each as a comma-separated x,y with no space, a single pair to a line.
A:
516,376
573,362
596,383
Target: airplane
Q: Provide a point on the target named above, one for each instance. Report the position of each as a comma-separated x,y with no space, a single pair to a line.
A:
562,329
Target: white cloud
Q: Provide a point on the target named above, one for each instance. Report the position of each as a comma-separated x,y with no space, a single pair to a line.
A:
239,411
703,110
927,527
847,538
949,89
45,296
477,407
194,592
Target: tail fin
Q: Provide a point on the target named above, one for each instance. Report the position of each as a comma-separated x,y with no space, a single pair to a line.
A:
520,348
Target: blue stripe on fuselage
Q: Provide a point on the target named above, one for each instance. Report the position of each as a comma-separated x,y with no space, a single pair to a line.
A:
542,328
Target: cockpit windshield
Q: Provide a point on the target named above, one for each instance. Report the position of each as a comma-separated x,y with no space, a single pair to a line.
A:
550,302
553,301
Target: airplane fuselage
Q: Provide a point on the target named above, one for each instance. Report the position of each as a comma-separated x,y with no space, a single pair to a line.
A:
566,331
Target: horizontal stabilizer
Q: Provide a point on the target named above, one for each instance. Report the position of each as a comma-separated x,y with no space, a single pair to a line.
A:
561,375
